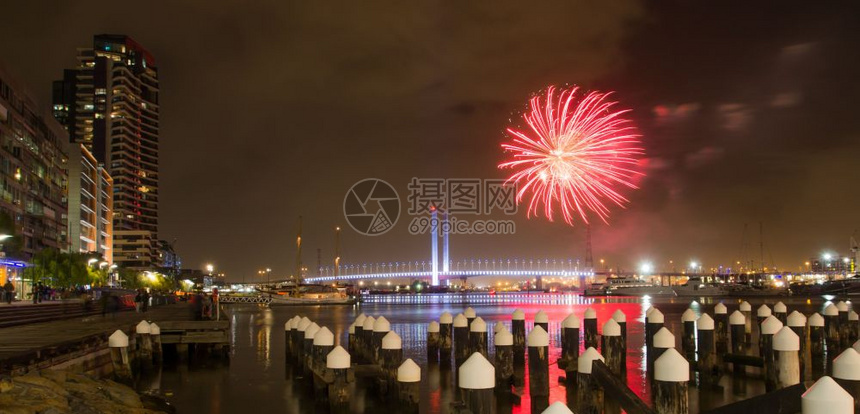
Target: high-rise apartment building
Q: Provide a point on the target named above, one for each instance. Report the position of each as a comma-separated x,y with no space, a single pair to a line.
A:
90,204
33,179
109,103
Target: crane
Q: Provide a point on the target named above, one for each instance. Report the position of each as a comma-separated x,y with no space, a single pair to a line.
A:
854,252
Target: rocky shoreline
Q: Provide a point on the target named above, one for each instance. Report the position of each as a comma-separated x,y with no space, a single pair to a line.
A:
56,392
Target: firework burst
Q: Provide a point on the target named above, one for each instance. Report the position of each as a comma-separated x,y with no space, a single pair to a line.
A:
576,154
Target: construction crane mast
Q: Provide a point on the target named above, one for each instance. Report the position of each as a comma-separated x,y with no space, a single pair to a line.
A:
854,253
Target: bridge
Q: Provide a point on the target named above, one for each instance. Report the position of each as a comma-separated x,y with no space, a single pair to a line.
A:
441,276
440,269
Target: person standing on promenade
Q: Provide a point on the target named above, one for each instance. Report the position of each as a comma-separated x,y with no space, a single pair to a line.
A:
104,301
9,290
145,301
138,301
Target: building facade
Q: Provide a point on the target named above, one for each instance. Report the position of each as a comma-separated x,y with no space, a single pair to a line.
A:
33,178
90,204
109,103
169,261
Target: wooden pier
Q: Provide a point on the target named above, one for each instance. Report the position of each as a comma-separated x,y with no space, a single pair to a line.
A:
82,343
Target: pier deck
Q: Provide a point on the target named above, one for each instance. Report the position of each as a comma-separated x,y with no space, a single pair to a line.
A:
51,343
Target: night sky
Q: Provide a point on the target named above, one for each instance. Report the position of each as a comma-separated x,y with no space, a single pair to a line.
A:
271,110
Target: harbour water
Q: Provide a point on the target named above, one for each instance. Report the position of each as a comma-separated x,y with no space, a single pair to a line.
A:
258,376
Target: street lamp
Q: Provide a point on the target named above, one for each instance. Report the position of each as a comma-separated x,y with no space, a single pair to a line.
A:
91,261
210,269
646,268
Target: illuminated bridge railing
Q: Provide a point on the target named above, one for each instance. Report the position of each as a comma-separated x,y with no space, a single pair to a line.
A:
452,275
538,298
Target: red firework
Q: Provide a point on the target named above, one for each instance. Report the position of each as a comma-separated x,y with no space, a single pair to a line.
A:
575,153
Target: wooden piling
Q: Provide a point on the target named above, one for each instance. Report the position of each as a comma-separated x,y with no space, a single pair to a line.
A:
589,394
538,348
338,363
350,338
653,322
144,345
826,397
478,337
589,326
746,309
518,330
381,327
390,358
708,368
476,378
542,320
721,328
433,342
621,318
797,322
358,346
737,326
762,313
408,387
470,315
155,338
366,351
844,340
446,337
671,379
322,345
831,330
118,344
786,346
612,347
308,348
846,372
780,311
299,341
767,330
461,339
498,327
504,344
570,344
288,339
664,339
853,327
688,338
816,335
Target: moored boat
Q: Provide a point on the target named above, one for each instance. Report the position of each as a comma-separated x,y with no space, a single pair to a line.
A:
696,287
629,286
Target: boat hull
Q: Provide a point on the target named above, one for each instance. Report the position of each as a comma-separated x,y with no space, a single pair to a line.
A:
642,291
284,300
700,292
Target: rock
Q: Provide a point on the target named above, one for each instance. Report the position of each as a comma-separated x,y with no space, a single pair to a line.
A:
5,384
34,379
58,392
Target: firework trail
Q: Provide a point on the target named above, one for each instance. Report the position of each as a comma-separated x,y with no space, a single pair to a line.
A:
576,154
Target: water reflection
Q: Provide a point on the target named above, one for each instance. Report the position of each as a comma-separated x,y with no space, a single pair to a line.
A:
258,375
